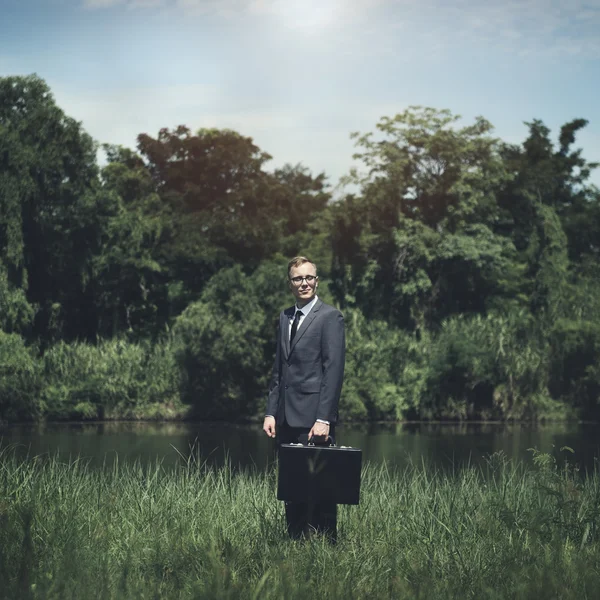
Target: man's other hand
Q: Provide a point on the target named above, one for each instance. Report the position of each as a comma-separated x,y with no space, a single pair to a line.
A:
269,426
318,433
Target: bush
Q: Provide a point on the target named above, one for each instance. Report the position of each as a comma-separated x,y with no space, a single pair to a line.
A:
575,365
19,380
16,314
493,367
113,379
226,341
377,359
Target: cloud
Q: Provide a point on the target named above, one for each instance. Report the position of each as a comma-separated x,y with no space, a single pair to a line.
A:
525,27
299,95
296,13
222,8
146,3
96,4
314,13
521,27
100,4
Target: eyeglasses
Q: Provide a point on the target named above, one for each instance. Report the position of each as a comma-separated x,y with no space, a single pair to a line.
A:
297,281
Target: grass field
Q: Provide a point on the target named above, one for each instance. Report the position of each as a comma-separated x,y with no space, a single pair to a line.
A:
511,530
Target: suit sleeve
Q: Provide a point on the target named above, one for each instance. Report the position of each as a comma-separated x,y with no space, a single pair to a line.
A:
273,398
333,352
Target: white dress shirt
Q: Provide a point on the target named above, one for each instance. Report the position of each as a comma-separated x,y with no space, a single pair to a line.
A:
303,314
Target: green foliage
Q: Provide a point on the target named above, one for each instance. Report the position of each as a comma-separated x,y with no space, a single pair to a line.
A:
19,380
371,349
146,283
48,204
127,274
16,314
227,340
385,371
548,263
110,380
418,245
467,267
575,365
221,197
429,170
490,367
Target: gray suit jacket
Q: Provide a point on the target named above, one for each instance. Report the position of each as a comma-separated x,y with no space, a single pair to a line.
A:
307,376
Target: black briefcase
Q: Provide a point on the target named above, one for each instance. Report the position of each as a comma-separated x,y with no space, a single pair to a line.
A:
319,474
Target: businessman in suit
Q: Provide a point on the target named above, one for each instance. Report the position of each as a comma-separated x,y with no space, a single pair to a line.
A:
306,383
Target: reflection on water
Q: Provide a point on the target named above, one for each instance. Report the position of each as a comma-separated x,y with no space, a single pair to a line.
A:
438,445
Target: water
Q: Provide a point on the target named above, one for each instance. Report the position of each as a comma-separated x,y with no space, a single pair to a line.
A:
444,446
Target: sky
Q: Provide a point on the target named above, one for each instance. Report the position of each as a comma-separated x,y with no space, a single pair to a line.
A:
298,76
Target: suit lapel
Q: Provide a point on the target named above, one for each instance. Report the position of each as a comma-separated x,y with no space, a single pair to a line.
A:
306,323
288,314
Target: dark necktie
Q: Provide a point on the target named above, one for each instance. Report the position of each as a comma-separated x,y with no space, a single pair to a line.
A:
295,324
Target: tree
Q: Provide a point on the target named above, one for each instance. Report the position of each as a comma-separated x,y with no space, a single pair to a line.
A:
417,244
556,178
16,314
227,341
129,280
48,203
215,184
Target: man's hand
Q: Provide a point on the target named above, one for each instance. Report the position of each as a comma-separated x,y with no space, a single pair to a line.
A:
318,433
269,426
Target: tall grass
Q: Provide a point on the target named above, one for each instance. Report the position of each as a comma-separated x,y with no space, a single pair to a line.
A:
510,530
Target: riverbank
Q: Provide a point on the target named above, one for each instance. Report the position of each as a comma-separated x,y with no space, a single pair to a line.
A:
508,530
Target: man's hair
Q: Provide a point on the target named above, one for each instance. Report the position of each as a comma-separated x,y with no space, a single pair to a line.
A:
300,260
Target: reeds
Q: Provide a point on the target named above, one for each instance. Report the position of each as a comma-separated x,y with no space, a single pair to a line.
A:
128,531
113,379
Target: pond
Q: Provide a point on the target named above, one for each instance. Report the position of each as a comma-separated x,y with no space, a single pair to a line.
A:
437,445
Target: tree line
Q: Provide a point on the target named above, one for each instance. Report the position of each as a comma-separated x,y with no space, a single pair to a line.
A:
149,285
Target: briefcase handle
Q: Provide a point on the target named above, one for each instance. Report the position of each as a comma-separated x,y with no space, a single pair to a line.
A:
328,442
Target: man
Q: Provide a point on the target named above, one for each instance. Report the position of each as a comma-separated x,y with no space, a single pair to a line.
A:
306,383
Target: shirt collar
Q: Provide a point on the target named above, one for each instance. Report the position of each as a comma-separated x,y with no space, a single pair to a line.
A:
306,309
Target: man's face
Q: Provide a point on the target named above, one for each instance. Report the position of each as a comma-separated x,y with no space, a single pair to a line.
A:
303,291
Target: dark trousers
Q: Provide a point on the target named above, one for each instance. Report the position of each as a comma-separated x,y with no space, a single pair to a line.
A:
304,518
